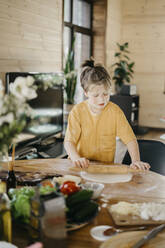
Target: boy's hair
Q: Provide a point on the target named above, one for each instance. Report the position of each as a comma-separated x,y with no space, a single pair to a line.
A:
94,75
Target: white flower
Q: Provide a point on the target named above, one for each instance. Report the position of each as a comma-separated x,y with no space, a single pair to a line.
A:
1,105
1,87
7,118
14,110
22,88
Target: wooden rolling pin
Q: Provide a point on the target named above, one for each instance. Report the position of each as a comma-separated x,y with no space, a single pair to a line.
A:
104,169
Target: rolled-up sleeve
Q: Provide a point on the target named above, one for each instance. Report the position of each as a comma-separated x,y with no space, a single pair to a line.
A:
73,131
124,130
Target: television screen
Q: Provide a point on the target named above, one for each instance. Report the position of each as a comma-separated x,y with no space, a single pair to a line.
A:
48,106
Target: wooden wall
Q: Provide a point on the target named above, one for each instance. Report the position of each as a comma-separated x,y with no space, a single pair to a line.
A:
142,25
30,35
99,29
113,30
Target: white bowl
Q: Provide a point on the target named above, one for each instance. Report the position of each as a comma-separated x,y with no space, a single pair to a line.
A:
96,187
98,232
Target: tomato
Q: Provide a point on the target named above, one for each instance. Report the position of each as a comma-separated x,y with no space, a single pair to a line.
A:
69,188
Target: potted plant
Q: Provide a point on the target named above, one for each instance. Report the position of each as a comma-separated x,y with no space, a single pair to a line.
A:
123,68
70,76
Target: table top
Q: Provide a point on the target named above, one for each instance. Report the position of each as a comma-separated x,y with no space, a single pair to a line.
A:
148,186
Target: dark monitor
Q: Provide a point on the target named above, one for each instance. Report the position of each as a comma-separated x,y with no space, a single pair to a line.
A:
48,105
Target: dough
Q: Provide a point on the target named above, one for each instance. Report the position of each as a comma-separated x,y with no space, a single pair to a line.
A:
106,178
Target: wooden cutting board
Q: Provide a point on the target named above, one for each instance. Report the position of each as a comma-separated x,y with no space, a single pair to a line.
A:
128,239
129,220
123,220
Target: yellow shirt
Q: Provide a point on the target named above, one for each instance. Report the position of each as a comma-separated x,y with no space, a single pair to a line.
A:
95,135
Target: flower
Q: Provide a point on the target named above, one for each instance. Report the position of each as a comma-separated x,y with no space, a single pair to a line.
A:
22,88
14,110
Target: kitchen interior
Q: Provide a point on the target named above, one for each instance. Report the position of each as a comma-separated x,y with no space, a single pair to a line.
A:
36,37
43,47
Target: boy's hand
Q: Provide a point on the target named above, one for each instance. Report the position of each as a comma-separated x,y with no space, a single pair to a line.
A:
140,165
81,162
36,245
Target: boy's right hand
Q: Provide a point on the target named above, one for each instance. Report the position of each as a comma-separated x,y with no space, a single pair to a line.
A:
81,162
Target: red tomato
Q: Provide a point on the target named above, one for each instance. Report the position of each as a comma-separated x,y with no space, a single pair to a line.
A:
69,188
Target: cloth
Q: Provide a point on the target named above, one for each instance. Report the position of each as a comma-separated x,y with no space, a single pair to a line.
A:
95,135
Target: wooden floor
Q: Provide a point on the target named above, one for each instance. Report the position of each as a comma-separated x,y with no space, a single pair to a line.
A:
151,134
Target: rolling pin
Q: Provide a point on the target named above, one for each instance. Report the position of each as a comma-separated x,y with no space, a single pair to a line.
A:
104,169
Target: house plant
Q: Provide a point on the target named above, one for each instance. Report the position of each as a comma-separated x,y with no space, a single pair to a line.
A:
123,68
15,111
70,76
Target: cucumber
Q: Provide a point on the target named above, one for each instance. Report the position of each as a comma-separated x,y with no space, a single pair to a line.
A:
79,197
74,209
88,210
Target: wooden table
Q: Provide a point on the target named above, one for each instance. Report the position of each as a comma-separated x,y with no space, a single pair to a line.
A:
144,186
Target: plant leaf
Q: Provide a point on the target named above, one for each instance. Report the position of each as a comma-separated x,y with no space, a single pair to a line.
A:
117,54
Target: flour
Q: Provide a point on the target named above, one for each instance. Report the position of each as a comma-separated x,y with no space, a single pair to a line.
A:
147,211
106,178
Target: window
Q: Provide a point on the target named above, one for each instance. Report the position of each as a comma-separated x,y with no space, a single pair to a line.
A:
78,25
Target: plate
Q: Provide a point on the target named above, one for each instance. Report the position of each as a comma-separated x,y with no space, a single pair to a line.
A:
28,178
4,244
106,178
98,232
72,227
129,239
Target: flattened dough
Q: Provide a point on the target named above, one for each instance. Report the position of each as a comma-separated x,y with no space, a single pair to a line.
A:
106,178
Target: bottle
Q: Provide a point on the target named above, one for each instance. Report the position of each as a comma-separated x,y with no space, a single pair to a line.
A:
5,218
11,181
35,217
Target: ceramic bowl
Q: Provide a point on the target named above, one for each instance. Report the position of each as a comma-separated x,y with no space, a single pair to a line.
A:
96,187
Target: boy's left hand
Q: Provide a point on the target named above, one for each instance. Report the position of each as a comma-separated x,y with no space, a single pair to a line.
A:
140,165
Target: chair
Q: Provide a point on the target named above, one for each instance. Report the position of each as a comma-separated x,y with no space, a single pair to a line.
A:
152,152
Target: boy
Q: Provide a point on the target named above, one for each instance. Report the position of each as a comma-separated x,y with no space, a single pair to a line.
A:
94,124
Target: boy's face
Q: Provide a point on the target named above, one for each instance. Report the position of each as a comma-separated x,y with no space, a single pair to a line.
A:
98,96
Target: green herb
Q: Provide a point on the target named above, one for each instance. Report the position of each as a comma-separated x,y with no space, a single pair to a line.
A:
20,203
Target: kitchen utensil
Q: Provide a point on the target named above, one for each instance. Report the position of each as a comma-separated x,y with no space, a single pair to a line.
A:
128,239
97,232
151,234
112,230
129,219
104,169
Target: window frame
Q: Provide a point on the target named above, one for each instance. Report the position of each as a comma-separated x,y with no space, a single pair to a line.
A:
80,29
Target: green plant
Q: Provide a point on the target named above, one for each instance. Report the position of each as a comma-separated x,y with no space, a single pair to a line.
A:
44,81
70,75
123,68
15,112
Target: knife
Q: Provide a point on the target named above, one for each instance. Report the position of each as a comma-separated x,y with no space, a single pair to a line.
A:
151,234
